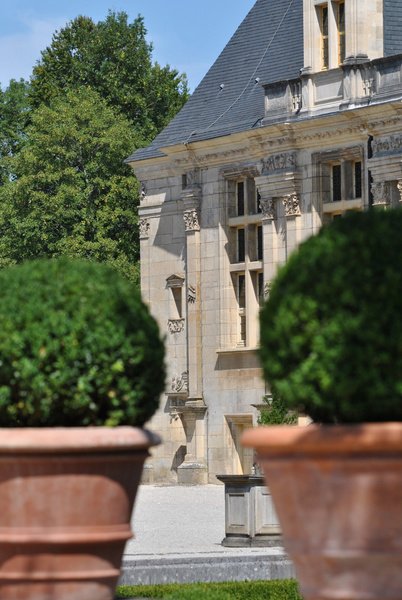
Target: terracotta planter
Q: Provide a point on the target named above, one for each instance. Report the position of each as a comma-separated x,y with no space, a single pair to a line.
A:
66,497
338,495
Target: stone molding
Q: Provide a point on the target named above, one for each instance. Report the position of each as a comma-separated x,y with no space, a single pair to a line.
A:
191,220
176,325
144,226
380,193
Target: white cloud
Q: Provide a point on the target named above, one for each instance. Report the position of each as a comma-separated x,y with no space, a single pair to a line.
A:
20,51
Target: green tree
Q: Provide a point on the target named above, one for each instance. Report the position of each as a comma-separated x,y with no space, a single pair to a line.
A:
275,412
113,58
14,113
72,195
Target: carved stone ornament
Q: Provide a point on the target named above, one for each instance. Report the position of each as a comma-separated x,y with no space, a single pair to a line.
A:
267,208
380,193
391,144
176,325
292,205
191,178
143,190
180,383
191,220
191,294
144,225
276,162
400,190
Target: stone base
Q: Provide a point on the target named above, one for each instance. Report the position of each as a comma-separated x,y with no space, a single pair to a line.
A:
192,473
148,474
259,541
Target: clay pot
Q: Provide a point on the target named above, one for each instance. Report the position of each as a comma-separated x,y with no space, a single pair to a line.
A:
338,494
66,497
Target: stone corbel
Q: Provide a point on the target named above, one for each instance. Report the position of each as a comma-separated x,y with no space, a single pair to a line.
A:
380,192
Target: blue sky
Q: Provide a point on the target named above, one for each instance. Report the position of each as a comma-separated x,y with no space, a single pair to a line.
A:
186,34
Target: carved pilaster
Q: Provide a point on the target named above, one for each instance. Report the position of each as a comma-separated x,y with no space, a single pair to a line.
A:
268,209
191,294
292,205
380,193
144,227
191,220
180,383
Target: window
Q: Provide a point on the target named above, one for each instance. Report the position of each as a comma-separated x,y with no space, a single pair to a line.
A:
324,37
339,180
341,31
246,253
331,17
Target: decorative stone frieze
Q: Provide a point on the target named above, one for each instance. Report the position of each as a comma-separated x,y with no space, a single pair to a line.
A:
180,383
380,193
292,205
191,294
276,162
176,325
191,220
144,226
391,144
268,209
143,190
400,190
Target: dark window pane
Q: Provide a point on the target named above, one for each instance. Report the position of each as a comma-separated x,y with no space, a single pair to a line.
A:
336,183
259,243
241,292
358,179
260,289
258,202
240,198
241,245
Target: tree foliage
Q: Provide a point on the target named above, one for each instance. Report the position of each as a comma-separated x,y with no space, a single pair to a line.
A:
14,113
113,58
73,195
275,412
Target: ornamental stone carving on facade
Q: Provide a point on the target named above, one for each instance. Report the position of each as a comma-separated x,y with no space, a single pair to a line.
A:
191,294
176,325
180,383
144,226
380,193
191,220
292,205
276,162
191,178
143,190
391,144
267,206
400,190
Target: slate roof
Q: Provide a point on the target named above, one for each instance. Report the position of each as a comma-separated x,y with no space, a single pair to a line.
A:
392,27
267,47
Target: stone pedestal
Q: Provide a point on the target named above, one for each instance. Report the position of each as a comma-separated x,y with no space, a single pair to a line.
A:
193,471
250,517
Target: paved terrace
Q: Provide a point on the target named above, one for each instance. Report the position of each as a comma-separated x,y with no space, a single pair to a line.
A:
178,533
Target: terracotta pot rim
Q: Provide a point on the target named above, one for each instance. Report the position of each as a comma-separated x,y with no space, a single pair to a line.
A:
43,440
380,438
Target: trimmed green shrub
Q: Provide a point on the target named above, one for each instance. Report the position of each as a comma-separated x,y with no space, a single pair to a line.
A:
77,347
276,589
331,330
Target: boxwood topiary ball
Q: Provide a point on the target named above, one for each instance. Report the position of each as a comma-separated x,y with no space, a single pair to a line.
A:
77,347
331,330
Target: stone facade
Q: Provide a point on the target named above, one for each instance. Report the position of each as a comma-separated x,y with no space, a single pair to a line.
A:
220,214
